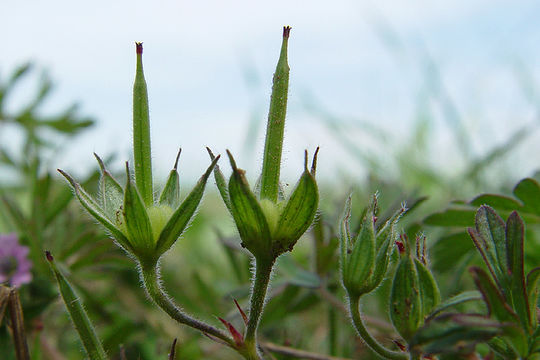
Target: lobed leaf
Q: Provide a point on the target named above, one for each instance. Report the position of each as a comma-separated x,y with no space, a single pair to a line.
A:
533,283
528,191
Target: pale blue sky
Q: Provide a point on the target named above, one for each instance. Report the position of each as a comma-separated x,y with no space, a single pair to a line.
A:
361,60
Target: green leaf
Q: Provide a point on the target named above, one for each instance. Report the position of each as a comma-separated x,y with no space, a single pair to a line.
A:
182,216
528,191
299,211
221,183
171,192
276,125
248,215
454,217
532,293
82,322
97,212
497,201
141,134
514,243
138,224
497,306
296,275
112,194
460,298
490,240
454,334
450,250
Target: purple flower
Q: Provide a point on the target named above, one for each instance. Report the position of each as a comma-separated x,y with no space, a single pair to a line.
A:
14,265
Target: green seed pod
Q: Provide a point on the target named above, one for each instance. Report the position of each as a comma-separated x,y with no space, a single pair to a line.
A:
248,214
414,291
141,227
405,300
365,259
299,211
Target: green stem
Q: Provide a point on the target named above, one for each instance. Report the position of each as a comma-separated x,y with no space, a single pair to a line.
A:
276,125
373,344
263,269
150,280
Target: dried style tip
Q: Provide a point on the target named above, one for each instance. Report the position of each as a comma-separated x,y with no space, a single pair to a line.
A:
49,256
177,158
139,47
314,162
286,31
172,353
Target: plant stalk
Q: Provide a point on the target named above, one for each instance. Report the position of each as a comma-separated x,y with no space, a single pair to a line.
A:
373,344
263,269
150,278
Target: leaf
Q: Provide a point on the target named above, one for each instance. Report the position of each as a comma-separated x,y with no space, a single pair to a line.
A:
296,275
83,325
452,217
491,227
170,195
497,306
528,191
514,243
460,298
454,334
450,250
532,293
181,218
499,202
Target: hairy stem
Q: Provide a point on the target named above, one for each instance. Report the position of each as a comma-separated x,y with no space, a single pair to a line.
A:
373,344
263,270
150,280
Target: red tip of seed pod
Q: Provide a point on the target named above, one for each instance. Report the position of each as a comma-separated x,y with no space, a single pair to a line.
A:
401,247
48,255
138,45
399,345
286,31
